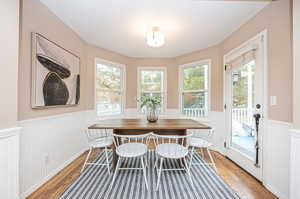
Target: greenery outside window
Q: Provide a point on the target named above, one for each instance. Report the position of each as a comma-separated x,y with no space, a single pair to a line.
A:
152,82
109,88
194,87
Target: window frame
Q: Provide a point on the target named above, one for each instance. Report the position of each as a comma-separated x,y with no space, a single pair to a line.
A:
164,90
181,79
122,88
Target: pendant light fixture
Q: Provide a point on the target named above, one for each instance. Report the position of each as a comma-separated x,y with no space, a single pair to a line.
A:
155,38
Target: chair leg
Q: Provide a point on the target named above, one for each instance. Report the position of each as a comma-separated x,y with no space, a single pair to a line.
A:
107,161
115,174
202,153
144,172
212,160
155,164
159,173
86,159
146,160
188,172
191,157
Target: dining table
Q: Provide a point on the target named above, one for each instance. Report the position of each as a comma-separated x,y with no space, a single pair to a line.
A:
141,126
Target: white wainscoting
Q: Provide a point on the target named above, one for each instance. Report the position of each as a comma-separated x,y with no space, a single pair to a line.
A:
9,163
47,145
295,164
276,158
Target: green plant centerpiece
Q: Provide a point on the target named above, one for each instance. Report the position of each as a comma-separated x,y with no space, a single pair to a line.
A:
152,105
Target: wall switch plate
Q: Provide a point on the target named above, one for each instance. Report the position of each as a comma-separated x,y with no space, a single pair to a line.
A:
273,100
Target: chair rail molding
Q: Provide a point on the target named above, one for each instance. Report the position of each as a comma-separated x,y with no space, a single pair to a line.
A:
9,158
295,164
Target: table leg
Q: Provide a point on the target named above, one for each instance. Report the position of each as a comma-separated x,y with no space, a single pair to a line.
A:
115,156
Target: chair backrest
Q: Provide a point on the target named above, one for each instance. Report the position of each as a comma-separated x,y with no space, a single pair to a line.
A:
202,133
120,139
177,139
93,134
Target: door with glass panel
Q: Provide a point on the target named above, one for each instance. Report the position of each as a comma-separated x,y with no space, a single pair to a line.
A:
244,108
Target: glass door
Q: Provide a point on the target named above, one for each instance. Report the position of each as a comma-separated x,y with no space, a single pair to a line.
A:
245,104
243,135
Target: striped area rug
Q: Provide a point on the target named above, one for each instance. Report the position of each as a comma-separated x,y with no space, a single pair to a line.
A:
94,182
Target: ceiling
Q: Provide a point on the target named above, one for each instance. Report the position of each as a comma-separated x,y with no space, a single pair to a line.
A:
121,26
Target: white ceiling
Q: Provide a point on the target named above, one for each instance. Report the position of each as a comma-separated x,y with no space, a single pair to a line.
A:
121,25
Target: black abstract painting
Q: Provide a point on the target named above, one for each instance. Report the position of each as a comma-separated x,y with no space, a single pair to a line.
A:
56,74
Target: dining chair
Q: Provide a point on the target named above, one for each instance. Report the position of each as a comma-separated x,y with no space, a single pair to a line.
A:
201,140
98,138
131,146
171,147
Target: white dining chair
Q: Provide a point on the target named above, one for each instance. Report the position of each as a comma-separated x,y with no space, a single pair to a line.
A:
171,147
201,140
98,138
131,146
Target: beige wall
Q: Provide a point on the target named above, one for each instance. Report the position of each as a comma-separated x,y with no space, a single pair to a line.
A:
296,38
172,79
276,18
9,51
37,18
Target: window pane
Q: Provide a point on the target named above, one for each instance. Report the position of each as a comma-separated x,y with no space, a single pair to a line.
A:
108,77
151,80
195,104
108,102
241,77
195,78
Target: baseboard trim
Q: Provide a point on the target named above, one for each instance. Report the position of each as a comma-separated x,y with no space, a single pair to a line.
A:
51,175
275,191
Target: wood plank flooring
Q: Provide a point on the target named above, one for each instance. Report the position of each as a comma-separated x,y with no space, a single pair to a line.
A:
244,184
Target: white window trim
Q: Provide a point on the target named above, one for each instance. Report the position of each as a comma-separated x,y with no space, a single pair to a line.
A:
164,69
180,82
123,82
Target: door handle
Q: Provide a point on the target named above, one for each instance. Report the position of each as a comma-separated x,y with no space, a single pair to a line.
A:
257,117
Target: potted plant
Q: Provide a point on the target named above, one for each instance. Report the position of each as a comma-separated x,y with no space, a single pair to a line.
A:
152,104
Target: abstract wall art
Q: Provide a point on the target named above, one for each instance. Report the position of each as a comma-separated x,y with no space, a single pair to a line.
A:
55,74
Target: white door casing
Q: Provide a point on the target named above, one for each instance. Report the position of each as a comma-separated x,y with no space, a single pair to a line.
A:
260,86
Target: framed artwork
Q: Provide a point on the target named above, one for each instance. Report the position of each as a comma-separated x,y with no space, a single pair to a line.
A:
55,74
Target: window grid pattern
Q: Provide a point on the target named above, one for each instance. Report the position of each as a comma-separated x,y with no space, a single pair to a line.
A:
151,83
194,90
109,89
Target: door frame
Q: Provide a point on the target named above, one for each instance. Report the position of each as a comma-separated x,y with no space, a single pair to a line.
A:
240,50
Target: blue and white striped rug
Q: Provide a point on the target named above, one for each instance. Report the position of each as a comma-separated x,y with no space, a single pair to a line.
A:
94,182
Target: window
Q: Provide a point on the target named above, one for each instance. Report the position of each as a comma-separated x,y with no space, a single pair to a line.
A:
194,88
109,88
152,81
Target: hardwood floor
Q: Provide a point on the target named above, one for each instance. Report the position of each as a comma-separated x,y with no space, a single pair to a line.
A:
244,184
